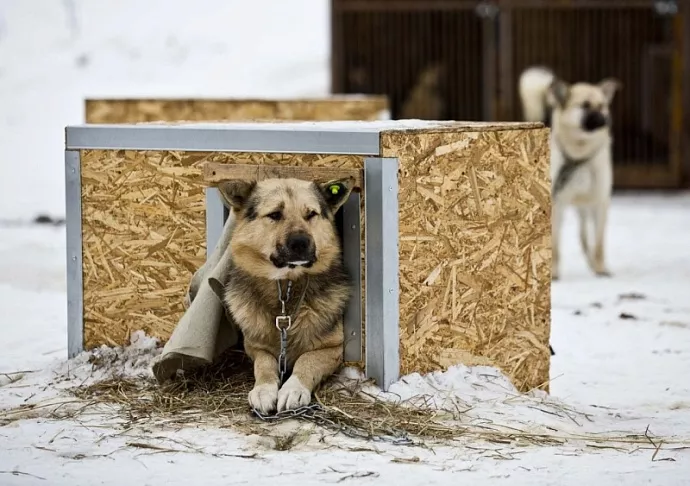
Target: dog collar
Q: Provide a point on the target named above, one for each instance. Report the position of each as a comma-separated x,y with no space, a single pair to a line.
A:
570,165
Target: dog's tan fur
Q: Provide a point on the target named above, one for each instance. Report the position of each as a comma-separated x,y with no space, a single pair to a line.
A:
425,101
564,107
315,339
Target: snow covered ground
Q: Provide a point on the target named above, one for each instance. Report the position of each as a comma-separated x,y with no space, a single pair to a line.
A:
622,344
54,53
622,365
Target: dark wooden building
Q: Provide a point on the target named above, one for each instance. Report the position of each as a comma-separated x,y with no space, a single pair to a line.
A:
461,59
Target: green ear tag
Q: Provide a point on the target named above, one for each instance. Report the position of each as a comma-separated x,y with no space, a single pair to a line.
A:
335,189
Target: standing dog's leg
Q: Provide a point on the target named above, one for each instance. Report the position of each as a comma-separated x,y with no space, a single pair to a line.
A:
556,223
600,217
310,368
264,395
585,213
584,237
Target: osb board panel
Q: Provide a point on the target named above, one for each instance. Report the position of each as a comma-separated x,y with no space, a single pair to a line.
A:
474,244
144,234
145,110
475,250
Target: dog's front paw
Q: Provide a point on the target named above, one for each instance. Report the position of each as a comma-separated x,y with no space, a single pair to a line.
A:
293,395
603,273
263,398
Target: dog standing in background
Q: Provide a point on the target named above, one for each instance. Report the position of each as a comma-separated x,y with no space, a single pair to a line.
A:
581,161
425,100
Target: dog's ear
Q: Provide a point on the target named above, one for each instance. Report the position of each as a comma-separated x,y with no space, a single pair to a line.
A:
609,86
336,192
559,91
235,193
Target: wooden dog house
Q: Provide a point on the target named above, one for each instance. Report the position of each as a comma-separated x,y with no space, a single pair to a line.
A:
450,234
136,110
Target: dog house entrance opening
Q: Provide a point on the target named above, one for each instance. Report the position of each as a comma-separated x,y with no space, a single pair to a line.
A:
347,221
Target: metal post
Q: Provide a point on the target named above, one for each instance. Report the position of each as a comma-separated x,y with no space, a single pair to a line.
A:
381,263
352,257
216,214
506,100
75,286
488,12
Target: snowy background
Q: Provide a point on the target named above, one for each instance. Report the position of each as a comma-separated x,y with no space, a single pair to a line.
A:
54,53
622,344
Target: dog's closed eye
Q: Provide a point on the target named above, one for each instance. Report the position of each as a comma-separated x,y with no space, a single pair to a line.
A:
275,215
311,215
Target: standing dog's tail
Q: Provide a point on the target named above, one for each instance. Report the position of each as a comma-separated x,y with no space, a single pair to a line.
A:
533,88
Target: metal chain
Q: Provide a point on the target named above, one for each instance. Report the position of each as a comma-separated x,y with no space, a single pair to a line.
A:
314,412
317,415
284,323
282,358
288,414
288,294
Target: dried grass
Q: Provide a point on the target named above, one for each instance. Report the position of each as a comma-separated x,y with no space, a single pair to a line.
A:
217,396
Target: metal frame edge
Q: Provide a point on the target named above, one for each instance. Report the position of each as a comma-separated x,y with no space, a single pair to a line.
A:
381,276
352,258
215,219
198,139
73,231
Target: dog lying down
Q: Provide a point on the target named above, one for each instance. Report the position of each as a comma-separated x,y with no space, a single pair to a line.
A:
287,288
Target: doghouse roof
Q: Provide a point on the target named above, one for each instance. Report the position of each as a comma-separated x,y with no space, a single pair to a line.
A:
322,137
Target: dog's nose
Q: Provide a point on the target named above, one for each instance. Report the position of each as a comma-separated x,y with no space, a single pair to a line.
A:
298,243
594,120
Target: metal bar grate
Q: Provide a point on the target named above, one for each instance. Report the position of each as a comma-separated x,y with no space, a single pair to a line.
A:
461,59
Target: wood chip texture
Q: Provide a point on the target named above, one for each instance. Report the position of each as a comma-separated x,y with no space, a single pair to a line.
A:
474,242
475,250
148,110
144,234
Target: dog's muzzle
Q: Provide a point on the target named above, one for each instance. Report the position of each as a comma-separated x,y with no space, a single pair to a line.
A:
298,251
594,120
